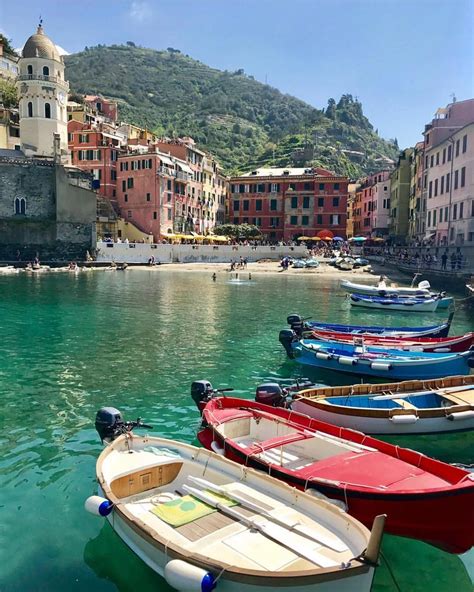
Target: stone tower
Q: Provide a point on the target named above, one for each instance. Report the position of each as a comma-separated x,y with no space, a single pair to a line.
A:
43,97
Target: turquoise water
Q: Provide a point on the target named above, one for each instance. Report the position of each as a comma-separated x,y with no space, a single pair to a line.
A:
136,340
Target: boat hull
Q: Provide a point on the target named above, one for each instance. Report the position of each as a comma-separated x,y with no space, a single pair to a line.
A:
156,560
432,331
440,345
371,424
424,368
402,304
442,518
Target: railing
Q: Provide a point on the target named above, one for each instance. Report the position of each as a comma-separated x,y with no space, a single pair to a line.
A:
44,78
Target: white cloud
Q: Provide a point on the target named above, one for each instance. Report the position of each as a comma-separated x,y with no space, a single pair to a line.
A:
140,11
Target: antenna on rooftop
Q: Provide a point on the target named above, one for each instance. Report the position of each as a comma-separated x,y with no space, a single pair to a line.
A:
453,97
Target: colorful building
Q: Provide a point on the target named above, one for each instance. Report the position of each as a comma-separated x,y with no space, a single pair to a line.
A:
286,203
371,205
449,171
95,149
8,64
417,201
399,197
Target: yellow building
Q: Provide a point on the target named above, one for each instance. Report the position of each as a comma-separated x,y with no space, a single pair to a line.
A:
352,190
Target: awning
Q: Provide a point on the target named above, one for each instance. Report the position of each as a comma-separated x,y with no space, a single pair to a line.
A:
184,167
185,236
358,239
218,239
166,160
303,238
169,235
429,235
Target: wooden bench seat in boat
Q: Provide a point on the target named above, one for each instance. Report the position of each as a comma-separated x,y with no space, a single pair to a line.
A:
404,403
259,447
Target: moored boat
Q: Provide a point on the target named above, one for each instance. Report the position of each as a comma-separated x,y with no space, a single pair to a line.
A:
374,361
405,304
423,498
203,522
457,343
411,407
300,325
383,291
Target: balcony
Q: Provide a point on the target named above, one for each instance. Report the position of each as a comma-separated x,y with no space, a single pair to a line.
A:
43,78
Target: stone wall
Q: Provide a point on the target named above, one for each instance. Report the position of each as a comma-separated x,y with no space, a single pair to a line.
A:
59,221
140,253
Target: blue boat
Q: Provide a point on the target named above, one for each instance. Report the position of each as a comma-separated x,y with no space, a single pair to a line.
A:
374,361
405,304
299,325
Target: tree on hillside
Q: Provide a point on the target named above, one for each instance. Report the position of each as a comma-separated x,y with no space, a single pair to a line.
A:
7,44
331,109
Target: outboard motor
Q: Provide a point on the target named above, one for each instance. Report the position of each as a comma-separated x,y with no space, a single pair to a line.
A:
110,425
294,318
286,338
201,393
271,394
108,422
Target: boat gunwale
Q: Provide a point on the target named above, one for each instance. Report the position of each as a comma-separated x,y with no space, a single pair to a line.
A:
174,550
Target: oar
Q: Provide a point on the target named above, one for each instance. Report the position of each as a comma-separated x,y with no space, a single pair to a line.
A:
334,544
280,535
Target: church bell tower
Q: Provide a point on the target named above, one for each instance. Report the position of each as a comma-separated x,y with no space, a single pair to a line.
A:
43,97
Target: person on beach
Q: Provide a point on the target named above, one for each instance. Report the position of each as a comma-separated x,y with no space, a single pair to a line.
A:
444,260
214,277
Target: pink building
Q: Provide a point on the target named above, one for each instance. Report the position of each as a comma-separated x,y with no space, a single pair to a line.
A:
449,181
372,205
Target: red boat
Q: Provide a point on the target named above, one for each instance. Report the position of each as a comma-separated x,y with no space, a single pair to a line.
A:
459,343
423,498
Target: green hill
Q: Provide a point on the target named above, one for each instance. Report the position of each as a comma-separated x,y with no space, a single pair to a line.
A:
244,123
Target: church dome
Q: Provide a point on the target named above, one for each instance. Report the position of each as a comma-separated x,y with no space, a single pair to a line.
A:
40,45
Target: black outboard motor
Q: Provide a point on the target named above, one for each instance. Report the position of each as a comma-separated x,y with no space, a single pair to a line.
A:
286,337
108,422
296,323
110,425
201,392
271,394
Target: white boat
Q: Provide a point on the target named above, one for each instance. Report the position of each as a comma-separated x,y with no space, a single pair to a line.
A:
410,407
202,521
396,303
381,289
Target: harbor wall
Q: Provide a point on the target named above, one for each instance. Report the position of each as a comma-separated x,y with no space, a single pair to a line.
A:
169,253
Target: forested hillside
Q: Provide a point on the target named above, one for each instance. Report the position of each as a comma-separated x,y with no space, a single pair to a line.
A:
243,122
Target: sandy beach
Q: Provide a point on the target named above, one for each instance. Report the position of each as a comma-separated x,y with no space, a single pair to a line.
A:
273,268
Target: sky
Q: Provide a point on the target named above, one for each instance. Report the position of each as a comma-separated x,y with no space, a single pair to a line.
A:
401,58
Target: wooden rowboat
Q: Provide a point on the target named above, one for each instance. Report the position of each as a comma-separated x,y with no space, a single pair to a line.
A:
410,407
375,361
457,343
300,325
203,522
423,498
395,303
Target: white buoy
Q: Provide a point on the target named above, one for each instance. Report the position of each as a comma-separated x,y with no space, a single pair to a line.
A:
381,366
346,361
404,419
98,506
185,577
460,415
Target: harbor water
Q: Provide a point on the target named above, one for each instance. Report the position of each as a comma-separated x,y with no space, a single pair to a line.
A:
135,340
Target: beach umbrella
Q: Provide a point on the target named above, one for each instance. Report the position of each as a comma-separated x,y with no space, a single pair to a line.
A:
359,239
325,234
304,238
338,238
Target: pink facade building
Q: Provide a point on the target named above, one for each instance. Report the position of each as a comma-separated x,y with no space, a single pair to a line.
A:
372,205
449,180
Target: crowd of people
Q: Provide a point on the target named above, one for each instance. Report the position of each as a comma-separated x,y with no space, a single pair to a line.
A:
439,258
